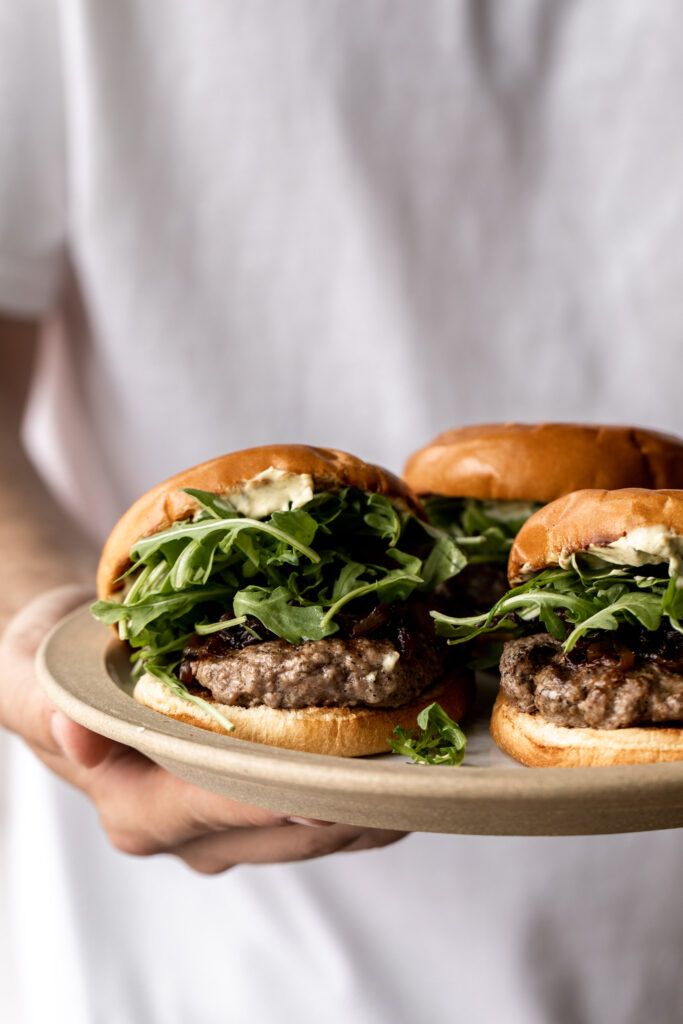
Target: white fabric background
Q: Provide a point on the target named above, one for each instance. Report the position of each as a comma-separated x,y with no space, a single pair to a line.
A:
355,225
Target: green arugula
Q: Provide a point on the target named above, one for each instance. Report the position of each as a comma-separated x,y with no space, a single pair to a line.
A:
438,739
294,571
176,687
571,603
483,529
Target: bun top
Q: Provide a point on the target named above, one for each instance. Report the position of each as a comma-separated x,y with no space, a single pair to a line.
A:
542,461
644,520
167,503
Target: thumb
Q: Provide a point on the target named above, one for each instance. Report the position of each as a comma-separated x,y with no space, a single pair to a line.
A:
26,630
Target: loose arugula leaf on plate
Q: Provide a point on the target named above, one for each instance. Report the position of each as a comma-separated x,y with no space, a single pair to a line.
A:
437,740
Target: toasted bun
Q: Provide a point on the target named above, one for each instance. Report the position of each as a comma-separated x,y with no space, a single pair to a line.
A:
541,461
536,742
577,521
166,503
344,732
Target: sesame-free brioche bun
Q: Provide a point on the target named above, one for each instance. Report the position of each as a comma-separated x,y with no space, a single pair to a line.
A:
539,743
166,503
541,461
344,732
577,521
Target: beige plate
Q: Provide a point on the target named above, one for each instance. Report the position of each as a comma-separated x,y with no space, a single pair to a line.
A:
85,673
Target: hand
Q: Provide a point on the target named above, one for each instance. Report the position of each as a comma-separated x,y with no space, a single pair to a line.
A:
143,808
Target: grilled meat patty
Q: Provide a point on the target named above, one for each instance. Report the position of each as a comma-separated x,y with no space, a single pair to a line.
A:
610,683
386,666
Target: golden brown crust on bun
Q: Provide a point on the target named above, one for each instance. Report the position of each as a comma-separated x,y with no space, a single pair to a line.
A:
590,517
166,503
344,732
541,461
536,742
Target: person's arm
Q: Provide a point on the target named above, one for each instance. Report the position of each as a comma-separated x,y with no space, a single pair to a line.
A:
47,569
39,544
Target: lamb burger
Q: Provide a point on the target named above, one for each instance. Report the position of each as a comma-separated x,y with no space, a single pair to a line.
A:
593,674
283,593
481,483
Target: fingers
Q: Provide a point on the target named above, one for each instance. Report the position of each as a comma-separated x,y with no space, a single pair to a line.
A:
35,619
211,855
145,810
374,838
80,745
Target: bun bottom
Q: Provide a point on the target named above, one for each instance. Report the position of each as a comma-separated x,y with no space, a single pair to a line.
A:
343,732
537,742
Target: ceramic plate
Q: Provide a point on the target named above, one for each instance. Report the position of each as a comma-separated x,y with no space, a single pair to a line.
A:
84,672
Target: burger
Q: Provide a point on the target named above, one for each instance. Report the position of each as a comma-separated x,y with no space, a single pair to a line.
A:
481,483
282,594
593,672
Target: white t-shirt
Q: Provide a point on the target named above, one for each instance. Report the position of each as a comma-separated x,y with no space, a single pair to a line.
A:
353,225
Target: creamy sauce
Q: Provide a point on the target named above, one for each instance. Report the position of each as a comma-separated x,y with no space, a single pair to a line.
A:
645,545
273,490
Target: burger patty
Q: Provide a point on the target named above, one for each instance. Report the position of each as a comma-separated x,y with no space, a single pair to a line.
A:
339,671
602,685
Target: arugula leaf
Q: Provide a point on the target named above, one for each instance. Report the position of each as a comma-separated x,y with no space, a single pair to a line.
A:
570,603
483,529
438,739
136,617
444,561
645,608
293,570
175,646
672,603
383,518
276,611
176,687
297,525
167,541
347,580
395,586
219,508
194,564
206,628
